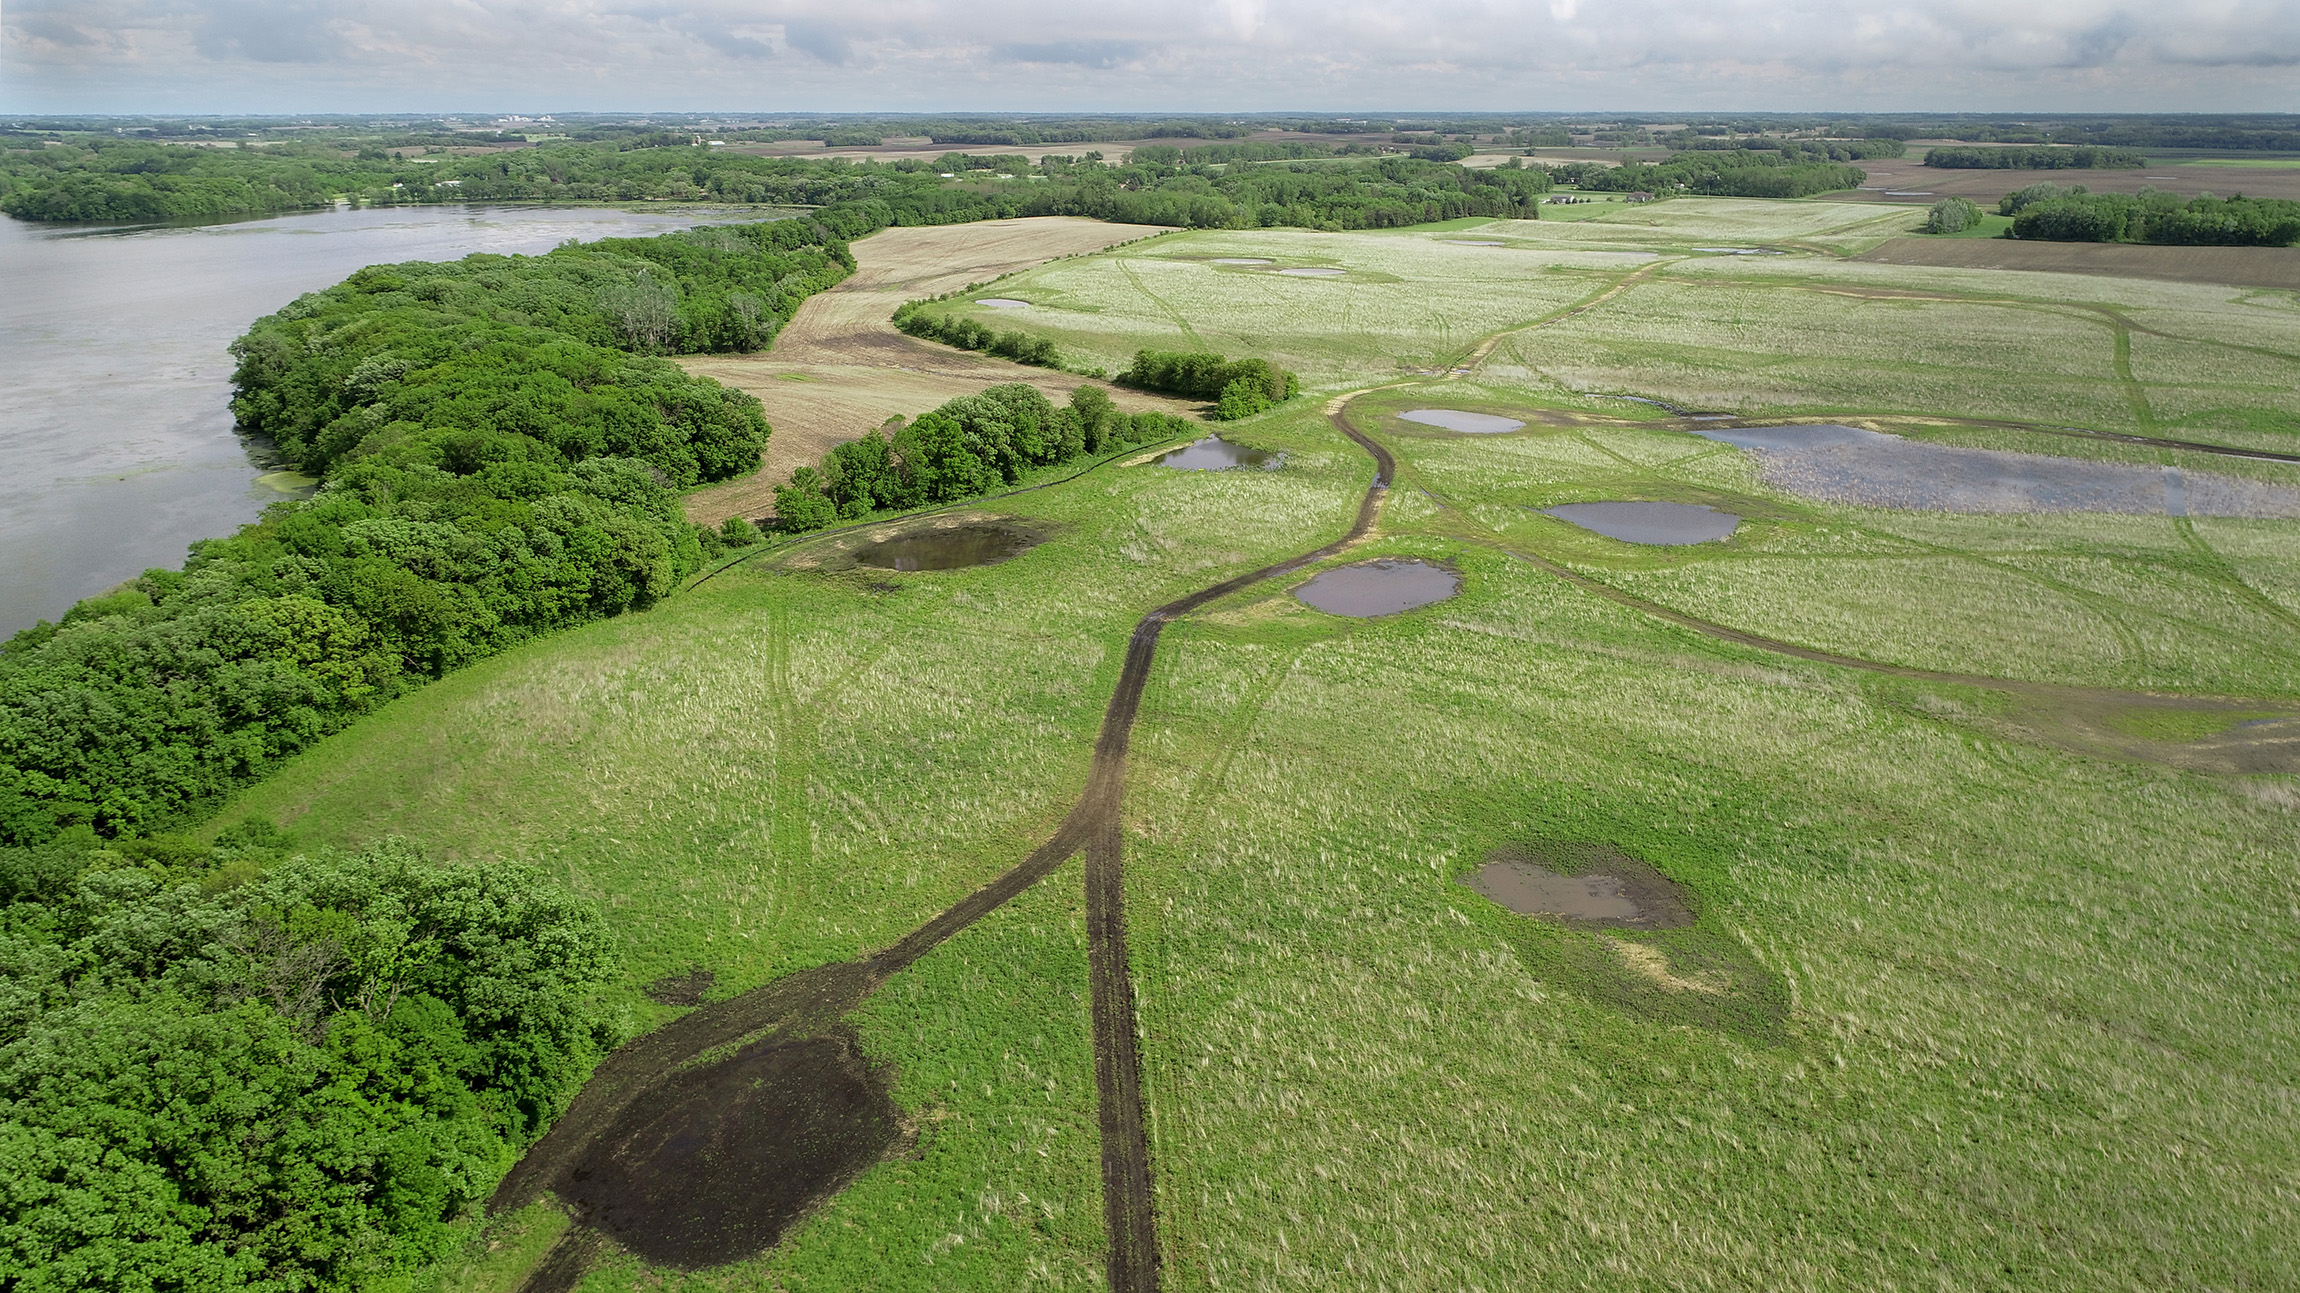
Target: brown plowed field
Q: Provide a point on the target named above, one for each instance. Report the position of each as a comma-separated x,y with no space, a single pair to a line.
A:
1904,174
2235,266
840,369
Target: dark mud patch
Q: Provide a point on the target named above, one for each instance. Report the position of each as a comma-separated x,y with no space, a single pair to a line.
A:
1463,421
1666,524
1216,454
1381,587
1842,464
1587,886
951,548
682,989
714,1164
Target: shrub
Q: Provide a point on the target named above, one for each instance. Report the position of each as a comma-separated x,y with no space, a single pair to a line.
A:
1952,215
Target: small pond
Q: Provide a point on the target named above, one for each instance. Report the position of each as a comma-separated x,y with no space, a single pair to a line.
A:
1474,242
1610,888
1314,272
1216,454
1238,260
1741,251
1458,420
1661,523
1382,587
951,549
1002,303
1842,464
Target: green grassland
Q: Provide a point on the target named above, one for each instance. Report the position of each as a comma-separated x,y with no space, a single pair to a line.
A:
1960,1008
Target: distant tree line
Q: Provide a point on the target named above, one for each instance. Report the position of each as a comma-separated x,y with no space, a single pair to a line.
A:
1741,173
2054,213
237,1067
500,456
1240,387
2034,159
969,447
1797,150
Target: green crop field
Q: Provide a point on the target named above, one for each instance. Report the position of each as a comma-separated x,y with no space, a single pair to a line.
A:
1990,981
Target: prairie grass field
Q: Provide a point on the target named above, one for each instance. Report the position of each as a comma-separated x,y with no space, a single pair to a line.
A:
1971,998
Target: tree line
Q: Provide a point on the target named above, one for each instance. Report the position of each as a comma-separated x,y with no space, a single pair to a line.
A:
2034,159
914,318
2056,213
499,449
242,1067
1240,387
1740,173
971,446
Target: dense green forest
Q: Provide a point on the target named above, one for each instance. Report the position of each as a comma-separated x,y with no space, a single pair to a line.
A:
969,447
1221,186
232,1068
2057,213
1738,173
1998,158
500,455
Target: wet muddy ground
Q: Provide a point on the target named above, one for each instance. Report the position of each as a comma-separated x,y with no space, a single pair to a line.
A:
1002,303
1238,260
1666,524
1383,587
1592,886
1216,454
1842,464
947,548
1313,272
685,989
715,1163
1462,420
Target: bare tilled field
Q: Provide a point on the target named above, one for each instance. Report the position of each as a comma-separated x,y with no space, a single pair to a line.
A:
1904,175
840,369
2237,266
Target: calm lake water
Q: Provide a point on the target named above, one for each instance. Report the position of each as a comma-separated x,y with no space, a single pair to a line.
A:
116,441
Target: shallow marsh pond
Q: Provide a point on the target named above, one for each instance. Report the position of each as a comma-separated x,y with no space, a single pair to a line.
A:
1216,454
1657,523
1381,587
1462,420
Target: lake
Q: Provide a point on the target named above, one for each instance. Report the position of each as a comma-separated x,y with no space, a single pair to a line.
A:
116,440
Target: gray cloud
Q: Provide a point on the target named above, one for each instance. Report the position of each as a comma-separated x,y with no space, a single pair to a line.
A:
1128,55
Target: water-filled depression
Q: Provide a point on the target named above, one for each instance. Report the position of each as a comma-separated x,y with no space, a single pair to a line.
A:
1662,523
1460,420
1216,454
1380,587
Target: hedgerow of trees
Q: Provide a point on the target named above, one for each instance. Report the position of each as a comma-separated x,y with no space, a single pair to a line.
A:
1744,173
2034,159
969,447
500,456
2054,213
1241,387
915,318
225,1068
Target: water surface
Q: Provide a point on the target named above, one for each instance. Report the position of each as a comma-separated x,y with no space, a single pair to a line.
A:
1458,420
1657,523
1842,464
1216,454
1382,587
1314,273
116,441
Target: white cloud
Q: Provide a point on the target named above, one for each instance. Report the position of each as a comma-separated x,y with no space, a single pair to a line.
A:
1126,55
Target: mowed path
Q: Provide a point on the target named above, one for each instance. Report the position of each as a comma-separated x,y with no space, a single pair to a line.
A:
840,370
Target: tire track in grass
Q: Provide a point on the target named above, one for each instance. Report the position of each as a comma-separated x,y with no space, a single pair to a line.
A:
811,1002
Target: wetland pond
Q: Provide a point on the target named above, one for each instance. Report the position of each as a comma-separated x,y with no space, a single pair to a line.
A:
1842,464
1607,888
1459,420
1216,454
1313,272
954,548
1656,523
1384,586
1002,303
117,447
1238,260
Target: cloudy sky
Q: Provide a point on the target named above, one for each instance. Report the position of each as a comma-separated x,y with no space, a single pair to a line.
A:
1135,55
